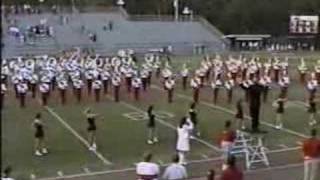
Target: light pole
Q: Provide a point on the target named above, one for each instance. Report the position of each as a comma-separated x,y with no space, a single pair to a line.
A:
176,9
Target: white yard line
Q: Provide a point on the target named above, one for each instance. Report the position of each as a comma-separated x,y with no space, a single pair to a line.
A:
77,135
172,127
190,162
302,104
232,112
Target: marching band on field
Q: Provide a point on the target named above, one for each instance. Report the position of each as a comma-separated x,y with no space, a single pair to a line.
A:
96,74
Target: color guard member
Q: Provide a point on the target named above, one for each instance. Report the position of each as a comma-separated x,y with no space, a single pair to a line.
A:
152,137
279,104
40,146
91,119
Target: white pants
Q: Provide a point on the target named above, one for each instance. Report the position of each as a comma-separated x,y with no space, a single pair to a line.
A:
311,168
226,147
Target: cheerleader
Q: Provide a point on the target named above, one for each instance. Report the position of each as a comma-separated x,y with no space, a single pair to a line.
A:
194,118
279,104
152,138
40,146
183,140
91,119
312,110
240,116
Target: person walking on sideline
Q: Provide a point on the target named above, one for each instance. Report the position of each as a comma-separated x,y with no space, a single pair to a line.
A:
175,171
311,156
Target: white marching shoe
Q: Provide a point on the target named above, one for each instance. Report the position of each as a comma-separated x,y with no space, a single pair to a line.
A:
44,151
150,142
155,139
38,153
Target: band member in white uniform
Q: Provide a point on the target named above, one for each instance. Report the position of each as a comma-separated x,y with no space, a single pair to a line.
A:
22,89
184,74
33,84
96,86
62,86
144,79
44,89
77,85
116,81
169,85
136,84
195,84
183,142
105,76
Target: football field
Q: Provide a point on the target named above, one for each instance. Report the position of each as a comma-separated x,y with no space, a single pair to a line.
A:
122,131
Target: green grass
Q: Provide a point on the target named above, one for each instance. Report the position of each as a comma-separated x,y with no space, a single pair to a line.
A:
123,141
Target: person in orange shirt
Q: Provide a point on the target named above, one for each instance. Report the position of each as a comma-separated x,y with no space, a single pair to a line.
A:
311,155
227,140
231,172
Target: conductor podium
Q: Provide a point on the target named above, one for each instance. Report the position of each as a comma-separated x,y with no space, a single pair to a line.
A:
251,147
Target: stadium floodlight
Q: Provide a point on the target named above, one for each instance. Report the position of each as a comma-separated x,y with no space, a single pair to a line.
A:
120,3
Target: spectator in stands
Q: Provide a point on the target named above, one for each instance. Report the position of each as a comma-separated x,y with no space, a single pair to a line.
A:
146,170
175,170
6,174
311,155
231,172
